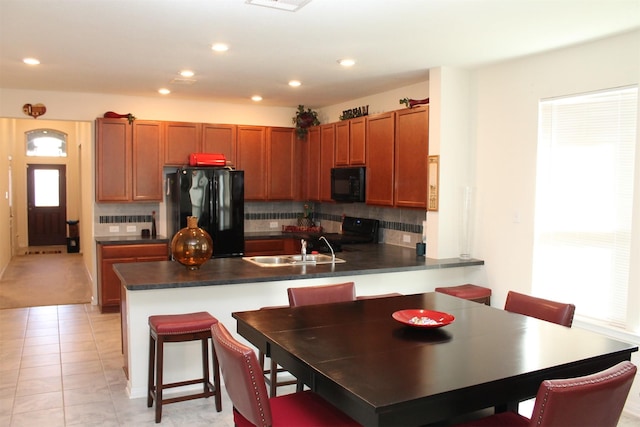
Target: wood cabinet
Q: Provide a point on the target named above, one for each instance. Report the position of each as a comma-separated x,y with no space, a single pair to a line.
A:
252,151
411,157
351,142
108,255
128,160
342,143
272,247
327,155
281,167
181,139
380,159
312,171
220,139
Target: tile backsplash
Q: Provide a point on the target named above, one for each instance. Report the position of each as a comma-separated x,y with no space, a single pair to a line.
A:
401,227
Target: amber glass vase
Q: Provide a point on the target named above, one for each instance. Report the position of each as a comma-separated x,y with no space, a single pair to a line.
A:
192,246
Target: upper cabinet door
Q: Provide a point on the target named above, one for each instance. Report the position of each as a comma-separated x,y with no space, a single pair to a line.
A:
342,143
380,164
327,154
411,157
147,161
182,139
113,160
281,163
351,142
220,139
357,141
252,159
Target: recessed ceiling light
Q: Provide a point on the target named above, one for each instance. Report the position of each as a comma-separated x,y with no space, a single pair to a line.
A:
256,98
187,73
346,62
164,91
31,61
294,83
220,47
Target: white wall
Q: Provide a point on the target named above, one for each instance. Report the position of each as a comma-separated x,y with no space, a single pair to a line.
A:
89,106
506,113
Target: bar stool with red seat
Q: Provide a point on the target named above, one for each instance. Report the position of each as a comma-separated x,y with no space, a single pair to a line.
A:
469,292
181,328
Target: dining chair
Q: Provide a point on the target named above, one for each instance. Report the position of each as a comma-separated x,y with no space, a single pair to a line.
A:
248,392
593,400
540,308
322,294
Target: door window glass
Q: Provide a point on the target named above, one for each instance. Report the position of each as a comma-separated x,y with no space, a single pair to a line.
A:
46,185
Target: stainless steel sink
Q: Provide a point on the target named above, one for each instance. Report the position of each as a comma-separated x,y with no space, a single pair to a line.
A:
289,260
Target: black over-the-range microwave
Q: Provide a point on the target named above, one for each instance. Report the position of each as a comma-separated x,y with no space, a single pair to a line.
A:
348,184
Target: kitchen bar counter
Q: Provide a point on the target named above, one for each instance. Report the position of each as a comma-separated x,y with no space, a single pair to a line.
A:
226,285
129,240
360,260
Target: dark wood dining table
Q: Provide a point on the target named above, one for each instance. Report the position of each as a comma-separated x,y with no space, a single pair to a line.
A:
384,373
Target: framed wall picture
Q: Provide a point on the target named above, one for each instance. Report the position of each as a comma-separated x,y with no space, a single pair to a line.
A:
433,191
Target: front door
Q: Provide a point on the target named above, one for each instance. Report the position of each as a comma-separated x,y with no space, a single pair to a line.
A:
47,204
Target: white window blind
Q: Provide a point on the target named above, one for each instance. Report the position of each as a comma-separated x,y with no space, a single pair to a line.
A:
584,193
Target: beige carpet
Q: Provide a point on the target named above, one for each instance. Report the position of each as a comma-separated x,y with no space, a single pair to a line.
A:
46,276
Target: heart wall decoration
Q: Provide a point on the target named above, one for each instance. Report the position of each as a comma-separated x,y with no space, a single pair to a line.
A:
34,111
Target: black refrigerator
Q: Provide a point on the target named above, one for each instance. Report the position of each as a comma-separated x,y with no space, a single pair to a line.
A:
216,197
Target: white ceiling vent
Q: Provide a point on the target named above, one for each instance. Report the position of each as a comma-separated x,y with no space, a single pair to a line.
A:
182,81
288,5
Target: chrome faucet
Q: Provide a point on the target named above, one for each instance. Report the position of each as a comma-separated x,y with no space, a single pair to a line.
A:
333,254
303,249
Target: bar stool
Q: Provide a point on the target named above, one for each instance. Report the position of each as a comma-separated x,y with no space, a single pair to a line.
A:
181,328
470,292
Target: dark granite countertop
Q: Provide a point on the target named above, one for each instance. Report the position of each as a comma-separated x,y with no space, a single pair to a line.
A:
360,259
129,240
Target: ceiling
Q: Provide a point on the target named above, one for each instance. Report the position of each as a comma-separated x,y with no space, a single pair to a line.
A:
135,47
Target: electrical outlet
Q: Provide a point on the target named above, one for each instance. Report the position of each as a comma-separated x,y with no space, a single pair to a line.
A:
406,238
273,224
114,229
131,228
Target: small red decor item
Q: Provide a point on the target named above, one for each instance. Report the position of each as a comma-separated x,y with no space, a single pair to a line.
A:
112,115
207,159
423,318
298,229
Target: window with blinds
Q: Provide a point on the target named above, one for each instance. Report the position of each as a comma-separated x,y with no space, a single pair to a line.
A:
584,195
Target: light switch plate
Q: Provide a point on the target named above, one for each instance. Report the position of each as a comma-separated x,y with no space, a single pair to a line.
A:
273,224
406,238
114,229
131,228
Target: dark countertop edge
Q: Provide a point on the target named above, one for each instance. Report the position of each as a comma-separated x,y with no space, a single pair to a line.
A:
431,264
129,240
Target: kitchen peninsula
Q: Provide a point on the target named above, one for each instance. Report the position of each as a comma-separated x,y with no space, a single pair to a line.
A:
226,285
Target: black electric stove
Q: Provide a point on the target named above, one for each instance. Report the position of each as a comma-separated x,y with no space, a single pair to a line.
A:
354,231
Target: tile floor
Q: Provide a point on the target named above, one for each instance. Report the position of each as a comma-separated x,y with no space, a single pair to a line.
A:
62,366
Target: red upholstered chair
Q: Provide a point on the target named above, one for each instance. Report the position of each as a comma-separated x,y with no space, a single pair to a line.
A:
594,400
543,309
248,392
321,294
